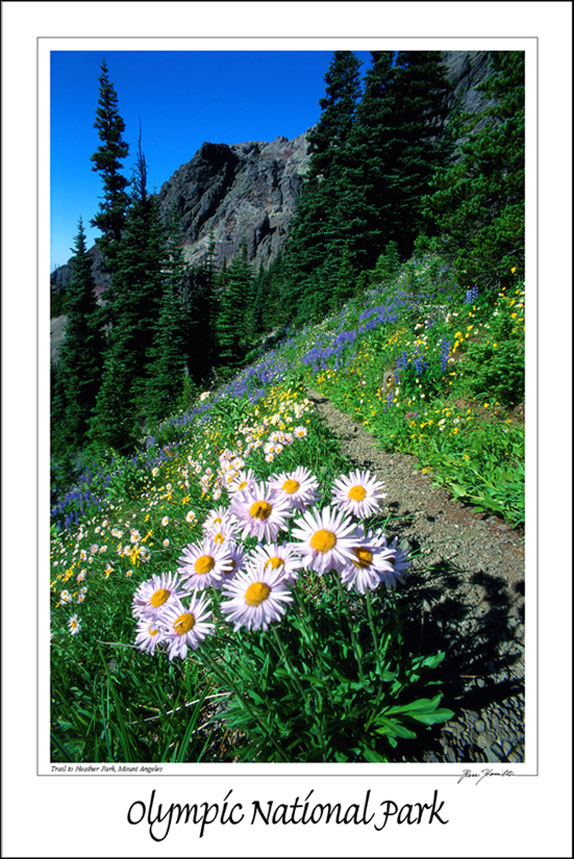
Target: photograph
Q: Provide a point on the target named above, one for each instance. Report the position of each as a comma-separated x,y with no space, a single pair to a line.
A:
287,436
287,440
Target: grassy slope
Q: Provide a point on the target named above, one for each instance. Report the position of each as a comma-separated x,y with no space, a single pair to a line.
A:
415,362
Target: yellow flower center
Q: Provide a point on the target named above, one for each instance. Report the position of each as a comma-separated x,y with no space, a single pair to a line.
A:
357,493
260,510
242,485
152,630
204,564
275,563
291,486
184,623
219,538
323,541
257,593
364,557
160,597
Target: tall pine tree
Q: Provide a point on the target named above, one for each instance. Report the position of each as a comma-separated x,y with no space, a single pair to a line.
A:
79,369
476,205
316,244
137,289
107,161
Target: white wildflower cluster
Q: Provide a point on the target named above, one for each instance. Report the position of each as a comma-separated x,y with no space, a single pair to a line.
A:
255,585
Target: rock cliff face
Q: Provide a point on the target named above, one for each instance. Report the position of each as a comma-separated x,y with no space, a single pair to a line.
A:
247,191
250,190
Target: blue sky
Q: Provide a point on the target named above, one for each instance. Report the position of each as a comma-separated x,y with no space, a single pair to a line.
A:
182,98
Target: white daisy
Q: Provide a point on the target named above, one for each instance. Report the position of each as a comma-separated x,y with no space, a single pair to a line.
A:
261,511
203,564
358,493
74,625
324,539
156,594
190,517
242,480
215,519
257,598
300,487
300,432
238,558
185,627
372,562
273,556
400,565
148,635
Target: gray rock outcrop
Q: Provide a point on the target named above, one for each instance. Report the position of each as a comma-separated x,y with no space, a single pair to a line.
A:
246,191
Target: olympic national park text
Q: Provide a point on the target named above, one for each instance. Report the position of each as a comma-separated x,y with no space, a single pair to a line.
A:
158,817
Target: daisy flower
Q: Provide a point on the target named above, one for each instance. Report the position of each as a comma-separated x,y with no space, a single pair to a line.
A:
203,564
257,598
261,511
238,557
190,517
216,518
243,480
186,627
148,635
324,539
300,432
358,493
65,596
272,556
74,625
300,487
156,594
373,561
400,565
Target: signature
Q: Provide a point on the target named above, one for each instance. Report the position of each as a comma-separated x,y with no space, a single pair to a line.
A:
482,774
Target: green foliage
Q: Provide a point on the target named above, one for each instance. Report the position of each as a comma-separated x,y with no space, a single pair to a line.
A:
324,686
107,161
477,204
234,303
77,377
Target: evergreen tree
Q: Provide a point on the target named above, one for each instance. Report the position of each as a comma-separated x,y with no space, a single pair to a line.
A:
396,147
477,202
137,290
167,356
232,333
328,139
107,161
81,355
317,239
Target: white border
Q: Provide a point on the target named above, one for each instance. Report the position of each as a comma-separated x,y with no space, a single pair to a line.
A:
51,815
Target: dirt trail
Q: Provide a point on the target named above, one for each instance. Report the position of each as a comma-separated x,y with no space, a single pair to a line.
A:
464,595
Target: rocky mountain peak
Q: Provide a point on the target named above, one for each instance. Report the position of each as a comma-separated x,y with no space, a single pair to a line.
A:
244,191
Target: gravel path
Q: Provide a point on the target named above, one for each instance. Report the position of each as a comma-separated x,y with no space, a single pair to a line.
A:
464,595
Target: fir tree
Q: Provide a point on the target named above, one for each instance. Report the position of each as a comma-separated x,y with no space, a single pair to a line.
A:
477,201
167,356
80,363
107,161
317,239
232,333
136,297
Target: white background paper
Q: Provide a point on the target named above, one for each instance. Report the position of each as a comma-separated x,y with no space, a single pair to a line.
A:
527,815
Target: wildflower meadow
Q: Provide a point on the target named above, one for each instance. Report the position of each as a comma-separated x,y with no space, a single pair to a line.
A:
230,592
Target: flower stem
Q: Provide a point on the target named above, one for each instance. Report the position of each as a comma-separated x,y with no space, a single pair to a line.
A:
243,701
372,623
290,668
352,630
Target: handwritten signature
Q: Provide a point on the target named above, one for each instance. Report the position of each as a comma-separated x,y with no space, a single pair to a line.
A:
482,774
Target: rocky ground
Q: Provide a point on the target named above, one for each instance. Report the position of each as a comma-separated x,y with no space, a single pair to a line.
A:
464,595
